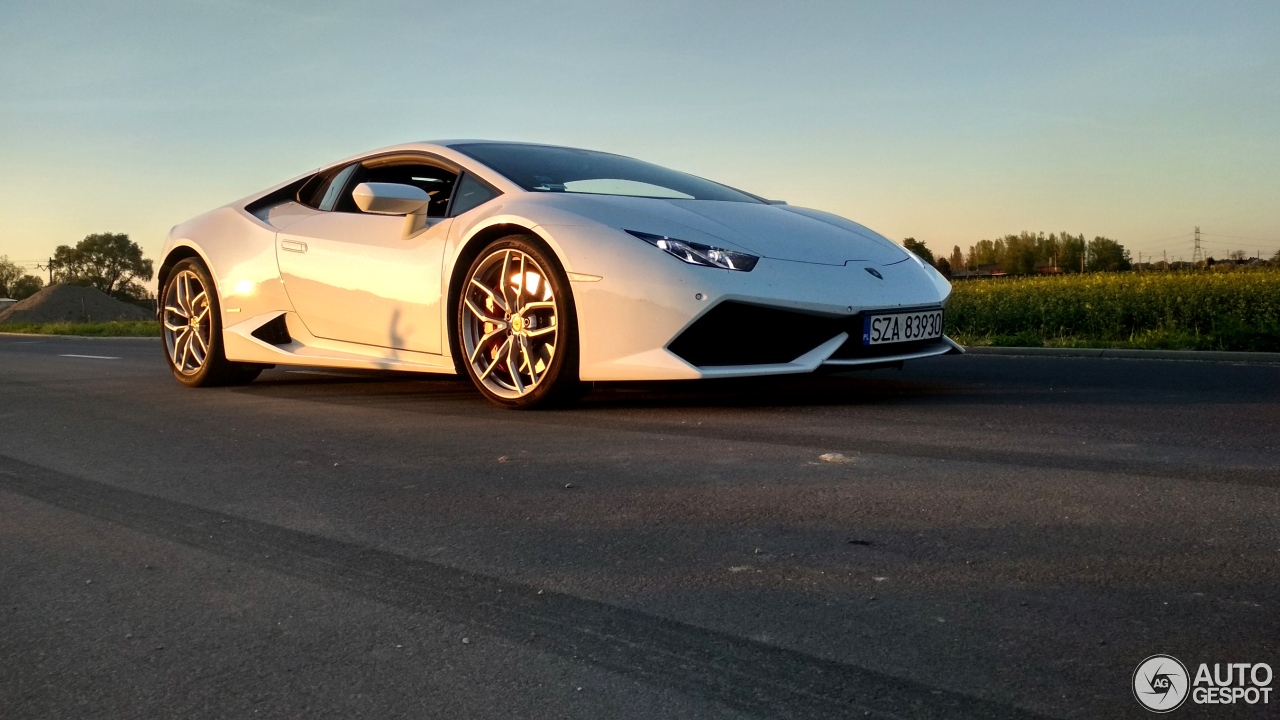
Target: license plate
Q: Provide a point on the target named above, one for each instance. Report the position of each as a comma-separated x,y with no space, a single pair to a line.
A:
901,327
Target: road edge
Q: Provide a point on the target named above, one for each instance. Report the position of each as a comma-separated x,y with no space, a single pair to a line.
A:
80,337
1265,358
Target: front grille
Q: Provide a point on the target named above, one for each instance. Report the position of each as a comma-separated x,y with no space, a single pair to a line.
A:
734,333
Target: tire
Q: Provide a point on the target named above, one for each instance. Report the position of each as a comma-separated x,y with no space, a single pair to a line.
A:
191,328
528,358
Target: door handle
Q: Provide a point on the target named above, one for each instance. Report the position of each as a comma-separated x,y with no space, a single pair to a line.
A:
293,246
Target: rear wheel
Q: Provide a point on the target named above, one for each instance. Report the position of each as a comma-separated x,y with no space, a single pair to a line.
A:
516,326
191,322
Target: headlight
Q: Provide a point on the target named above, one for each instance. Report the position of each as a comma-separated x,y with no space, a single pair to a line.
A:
698,254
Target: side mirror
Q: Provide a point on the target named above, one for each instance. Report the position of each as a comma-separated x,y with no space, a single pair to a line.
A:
394,199
390,199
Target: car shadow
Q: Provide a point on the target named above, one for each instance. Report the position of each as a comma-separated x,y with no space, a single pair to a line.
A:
968,381
864,388
845,389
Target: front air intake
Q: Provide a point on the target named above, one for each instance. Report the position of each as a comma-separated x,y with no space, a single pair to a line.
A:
734,333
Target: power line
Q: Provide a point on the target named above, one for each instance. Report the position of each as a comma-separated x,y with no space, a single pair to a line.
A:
1218,246
1244,248
1172,237
1223,242
1152,245
1268,246
1240,237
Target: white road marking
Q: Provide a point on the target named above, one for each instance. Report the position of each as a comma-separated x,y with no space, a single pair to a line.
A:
92,357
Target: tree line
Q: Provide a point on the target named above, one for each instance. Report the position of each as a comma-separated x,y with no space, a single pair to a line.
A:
110,262
1027,253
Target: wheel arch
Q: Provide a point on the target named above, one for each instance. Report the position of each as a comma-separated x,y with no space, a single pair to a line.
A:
176,255
471,249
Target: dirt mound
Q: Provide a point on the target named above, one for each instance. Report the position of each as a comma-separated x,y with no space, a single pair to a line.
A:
71,303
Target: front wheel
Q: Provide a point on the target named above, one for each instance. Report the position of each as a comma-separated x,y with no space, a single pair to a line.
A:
517,327
192,329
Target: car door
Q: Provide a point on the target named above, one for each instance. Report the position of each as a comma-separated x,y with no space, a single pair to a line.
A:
356,277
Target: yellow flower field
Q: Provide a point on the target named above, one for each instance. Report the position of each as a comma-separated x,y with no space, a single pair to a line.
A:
1229,310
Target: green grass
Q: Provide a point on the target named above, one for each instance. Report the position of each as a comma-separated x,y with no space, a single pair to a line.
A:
1233,310
123,328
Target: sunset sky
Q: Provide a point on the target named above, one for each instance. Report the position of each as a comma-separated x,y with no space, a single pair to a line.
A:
949,122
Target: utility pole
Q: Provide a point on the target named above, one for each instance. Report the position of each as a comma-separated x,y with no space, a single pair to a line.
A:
1197,255
48,267
1166,261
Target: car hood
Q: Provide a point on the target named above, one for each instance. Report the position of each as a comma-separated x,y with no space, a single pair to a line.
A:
780,232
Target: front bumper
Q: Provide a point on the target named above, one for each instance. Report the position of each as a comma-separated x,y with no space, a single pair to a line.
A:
631,319
738,339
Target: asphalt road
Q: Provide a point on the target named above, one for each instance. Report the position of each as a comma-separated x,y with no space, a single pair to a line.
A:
1010,537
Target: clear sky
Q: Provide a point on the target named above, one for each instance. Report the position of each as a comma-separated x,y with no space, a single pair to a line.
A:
949,122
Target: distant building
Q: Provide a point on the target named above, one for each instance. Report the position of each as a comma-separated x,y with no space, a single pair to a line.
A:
1048,268
1249,262
981,272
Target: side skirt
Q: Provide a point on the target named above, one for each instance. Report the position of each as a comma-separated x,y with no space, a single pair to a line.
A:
244,342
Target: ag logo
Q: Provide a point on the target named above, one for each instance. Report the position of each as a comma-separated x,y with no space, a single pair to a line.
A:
1160,683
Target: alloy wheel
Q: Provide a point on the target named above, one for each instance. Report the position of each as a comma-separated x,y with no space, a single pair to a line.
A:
188,326
510,323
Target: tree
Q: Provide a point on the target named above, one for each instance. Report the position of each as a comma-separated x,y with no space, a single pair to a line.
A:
944,267
1071,252
1107,255
1020,254
15,283
919,249
109,262
957,259
25,287
9,274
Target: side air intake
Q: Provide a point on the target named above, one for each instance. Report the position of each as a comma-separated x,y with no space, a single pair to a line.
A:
274,332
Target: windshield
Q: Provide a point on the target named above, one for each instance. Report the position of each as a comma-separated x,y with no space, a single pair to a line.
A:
542,168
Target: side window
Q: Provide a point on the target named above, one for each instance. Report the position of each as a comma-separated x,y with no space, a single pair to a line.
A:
434,181
313,189
335,186
319,187
471,193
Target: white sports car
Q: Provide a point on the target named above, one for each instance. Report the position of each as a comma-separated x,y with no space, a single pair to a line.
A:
534,269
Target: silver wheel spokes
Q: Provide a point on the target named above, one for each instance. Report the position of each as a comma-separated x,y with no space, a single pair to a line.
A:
510,323
187,323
